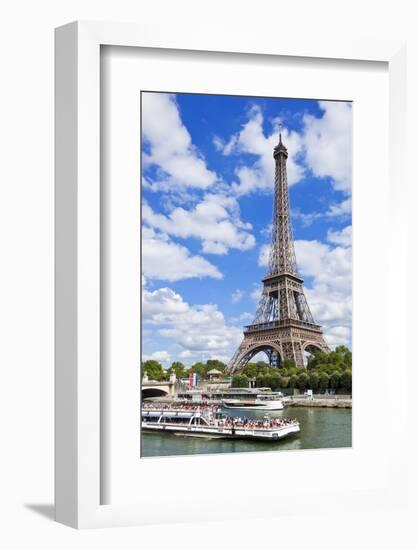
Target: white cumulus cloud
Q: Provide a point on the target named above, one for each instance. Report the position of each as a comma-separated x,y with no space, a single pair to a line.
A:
263,257
165,260
343,208
338,210
198,331
171,151
237,295
338,336
161,356
215,221
343,237
256,292
323,145
328,143
252,139
329,293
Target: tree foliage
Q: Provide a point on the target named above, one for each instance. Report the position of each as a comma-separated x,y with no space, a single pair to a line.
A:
240,381
200,369
288,364
325,371
215,364
178,369
346,380
203,368
335,380
313,381
338,360
154,370
323,381
292,382
302,381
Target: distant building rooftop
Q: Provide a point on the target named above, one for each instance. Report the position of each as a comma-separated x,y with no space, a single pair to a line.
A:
214,371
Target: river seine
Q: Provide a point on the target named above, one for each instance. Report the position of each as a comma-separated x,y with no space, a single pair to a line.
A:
321,428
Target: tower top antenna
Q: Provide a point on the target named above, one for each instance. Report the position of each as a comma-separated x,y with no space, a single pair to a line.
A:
280,148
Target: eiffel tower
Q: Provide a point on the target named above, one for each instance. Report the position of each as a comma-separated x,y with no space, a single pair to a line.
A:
283,327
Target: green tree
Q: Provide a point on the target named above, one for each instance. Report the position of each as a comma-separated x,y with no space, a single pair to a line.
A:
267,381
292,381
346,355
240,381
251,370
323,368
201,369
178,369
272,380
154,370
262,367
314,381
316,358
302,381
284,382
323,381
278,382
215,364
346,380
288,364
335,380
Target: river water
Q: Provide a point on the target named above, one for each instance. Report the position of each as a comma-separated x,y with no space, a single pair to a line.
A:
321,428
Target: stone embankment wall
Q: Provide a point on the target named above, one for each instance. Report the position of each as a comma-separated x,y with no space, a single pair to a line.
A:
344,403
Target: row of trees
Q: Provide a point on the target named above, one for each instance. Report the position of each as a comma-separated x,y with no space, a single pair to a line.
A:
338,360
316,381
323,371
155,370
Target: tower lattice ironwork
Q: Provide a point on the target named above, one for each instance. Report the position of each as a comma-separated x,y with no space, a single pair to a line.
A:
283,326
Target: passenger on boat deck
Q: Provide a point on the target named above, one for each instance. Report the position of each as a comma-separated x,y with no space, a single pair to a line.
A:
224,421
233,422
179,407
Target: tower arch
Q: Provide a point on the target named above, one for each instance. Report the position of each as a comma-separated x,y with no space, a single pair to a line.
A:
272,350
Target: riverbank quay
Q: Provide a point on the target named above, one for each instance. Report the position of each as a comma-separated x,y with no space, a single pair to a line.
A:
334,401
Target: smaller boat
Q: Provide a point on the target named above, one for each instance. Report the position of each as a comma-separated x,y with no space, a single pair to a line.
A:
258,404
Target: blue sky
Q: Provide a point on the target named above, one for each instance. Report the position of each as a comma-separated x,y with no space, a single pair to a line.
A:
207,183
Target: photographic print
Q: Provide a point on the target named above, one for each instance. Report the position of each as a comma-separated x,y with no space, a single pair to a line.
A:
246,261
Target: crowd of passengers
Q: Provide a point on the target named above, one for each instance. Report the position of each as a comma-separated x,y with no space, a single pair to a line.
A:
224,421
180,406
249,423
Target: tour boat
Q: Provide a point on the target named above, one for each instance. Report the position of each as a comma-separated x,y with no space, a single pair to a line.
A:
254,404
208,424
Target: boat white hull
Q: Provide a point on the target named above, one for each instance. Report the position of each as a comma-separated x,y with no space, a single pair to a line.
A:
268,406
272,434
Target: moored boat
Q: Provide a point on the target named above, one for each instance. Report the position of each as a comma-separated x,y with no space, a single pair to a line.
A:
254,404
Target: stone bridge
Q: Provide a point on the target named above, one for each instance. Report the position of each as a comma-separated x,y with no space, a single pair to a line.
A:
155,388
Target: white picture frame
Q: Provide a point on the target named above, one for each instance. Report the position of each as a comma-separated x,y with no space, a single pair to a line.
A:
78,404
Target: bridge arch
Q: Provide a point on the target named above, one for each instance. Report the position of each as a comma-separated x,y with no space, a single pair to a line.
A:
153,392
